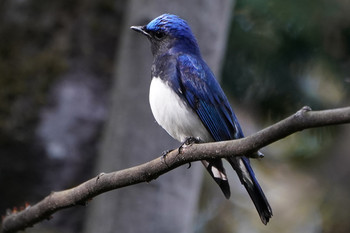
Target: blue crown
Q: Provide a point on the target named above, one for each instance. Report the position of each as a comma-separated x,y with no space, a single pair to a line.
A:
171,24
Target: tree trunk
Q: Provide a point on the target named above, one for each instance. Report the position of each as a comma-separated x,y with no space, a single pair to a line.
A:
131,135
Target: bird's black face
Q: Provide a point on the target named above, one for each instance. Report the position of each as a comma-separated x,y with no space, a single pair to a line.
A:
160,39
155,35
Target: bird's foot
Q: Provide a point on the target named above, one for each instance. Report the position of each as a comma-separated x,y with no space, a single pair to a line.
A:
164,154
188,142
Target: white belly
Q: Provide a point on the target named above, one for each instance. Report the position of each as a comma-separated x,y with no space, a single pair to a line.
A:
179,120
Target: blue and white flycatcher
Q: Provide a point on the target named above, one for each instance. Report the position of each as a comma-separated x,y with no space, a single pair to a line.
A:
188,102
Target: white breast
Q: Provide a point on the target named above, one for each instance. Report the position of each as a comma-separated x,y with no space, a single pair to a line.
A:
179,120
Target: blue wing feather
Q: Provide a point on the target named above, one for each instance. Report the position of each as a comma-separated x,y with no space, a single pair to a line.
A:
206,98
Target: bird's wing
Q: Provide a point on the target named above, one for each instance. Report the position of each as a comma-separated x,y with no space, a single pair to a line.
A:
206,98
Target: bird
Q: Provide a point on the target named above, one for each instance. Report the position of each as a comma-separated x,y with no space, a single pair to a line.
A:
189,104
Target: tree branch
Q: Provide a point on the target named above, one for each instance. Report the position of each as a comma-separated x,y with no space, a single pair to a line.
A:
79,195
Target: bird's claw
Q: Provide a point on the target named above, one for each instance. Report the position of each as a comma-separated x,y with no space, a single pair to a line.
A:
164,154
188,142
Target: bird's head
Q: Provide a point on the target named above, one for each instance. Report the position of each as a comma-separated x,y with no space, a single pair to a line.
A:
169,33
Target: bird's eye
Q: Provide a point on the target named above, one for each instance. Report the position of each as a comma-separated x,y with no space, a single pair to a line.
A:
159,35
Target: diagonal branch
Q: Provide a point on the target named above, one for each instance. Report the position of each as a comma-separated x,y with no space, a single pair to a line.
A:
79,195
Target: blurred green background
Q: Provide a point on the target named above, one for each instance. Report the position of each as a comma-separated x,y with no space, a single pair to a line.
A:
280,56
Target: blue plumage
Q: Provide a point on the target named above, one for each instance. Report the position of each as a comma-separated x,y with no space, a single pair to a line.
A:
187,101
206,97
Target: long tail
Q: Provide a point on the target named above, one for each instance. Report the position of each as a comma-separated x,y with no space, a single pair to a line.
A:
217,171
247,178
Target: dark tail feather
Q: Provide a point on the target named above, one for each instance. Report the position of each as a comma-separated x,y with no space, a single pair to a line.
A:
247,178
217,171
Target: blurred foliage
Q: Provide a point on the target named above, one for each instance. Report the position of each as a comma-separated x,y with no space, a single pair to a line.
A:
283,55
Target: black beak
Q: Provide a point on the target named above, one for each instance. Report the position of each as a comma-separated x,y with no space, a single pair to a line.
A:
141,29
